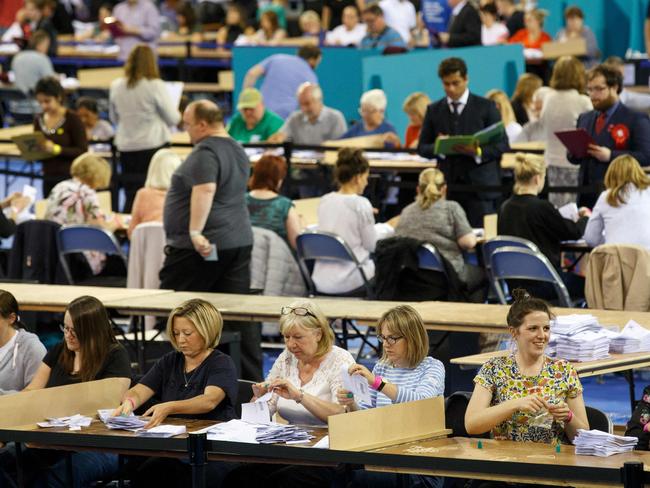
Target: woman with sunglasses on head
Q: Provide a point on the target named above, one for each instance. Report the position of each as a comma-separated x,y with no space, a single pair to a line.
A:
21,352
304,380
403,374
195,381
89,352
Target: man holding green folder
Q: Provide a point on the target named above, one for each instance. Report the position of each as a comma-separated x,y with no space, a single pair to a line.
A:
465,134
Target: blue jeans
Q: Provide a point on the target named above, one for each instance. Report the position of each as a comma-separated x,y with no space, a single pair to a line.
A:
87,467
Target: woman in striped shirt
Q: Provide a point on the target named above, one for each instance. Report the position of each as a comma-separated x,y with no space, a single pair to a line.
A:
403,374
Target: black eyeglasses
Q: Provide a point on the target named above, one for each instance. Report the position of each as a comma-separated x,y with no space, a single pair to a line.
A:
300,311
67,330
390,340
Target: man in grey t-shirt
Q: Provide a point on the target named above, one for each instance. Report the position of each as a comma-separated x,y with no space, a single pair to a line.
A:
208,231
314,123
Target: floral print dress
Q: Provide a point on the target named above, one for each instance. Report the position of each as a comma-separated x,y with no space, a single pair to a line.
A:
74,202
557,382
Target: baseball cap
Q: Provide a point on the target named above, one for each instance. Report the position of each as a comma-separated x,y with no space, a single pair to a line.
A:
249,98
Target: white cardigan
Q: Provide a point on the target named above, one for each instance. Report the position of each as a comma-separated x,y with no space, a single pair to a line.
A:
143,114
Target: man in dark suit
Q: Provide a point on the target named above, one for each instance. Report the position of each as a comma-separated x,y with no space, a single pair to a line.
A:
464,26
615,128
462,113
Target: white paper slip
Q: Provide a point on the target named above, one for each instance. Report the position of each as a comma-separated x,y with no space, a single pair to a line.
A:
163,430
324,443
357,384
569,211
256,412
233,431
266,397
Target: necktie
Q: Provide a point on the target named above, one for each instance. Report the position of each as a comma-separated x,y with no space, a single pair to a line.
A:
454,108
600,122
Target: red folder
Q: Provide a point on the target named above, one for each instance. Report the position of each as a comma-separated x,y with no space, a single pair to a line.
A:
576,141
114,26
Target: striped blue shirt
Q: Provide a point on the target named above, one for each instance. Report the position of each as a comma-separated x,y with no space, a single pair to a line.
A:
426,380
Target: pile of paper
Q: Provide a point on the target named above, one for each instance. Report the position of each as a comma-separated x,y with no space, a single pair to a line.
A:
267,433
598,443
633,338
73,422
579,337
163,430
136,424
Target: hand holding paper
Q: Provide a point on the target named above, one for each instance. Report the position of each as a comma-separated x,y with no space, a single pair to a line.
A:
357,384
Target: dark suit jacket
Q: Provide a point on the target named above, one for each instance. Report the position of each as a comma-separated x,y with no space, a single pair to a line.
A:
465,28
478,114
592,171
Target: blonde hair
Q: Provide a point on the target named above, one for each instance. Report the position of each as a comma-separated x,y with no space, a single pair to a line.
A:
503,104
623,170
527,84
308,16
416,103
161,168
91,170
318,322
430,184
539,15
568,73
141,63
405,321
204,316
527,166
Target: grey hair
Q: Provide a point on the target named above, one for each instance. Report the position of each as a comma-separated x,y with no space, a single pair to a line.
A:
375,98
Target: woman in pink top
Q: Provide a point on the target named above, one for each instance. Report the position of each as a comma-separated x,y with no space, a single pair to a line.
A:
150,200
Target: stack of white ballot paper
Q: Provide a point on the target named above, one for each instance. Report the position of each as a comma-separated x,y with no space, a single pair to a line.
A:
633,338
598,443
579,337
267,433
136,424
73,422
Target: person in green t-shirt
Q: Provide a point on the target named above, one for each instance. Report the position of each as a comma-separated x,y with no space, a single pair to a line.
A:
253,122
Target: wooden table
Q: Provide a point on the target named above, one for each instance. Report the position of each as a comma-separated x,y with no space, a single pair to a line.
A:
521,462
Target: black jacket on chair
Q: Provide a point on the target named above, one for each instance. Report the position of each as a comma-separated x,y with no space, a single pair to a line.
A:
465,28
34,255
398,277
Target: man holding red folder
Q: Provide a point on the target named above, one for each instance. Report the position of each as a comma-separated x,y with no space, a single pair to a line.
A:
615,129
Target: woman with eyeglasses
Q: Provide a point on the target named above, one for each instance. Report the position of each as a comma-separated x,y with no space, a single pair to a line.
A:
403,374
304,381
194,381
89,352
21,352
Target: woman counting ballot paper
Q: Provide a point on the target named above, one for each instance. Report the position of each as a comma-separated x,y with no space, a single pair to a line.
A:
403,374
527,396
304,381
195,381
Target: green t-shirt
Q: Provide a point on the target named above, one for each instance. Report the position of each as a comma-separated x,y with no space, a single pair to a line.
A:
269,125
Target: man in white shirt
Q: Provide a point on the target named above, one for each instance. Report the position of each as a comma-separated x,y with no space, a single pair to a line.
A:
350,32
401,16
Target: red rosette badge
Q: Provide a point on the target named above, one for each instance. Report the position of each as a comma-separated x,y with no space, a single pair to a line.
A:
620,133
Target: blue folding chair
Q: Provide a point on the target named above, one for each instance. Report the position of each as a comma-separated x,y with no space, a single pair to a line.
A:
313,245
429,258
80,238
520,263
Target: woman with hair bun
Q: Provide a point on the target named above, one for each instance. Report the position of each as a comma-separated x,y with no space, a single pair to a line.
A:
527,396
349,215
443,223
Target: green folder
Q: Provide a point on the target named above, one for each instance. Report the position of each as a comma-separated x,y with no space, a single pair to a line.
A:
445,145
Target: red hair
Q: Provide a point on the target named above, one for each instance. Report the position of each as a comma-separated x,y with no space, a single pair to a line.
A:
267,173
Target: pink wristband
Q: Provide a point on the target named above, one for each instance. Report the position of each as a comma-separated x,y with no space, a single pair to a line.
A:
646,427
569,417
378,380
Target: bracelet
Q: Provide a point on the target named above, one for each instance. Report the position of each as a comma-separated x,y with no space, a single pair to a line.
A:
377,383
130,400
569,417
479,151
194,233
299,399
381,385
56,149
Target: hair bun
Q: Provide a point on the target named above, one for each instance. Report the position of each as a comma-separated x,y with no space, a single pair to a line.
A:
520,295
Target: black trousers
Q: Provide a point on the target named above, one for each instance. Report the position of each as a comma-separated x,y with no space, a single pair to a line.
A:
135,165
186,270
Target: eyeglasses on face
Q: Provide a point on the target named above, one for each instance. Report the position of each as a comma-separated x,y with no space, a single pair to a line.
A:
300,311
67,330
390,340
